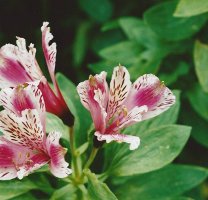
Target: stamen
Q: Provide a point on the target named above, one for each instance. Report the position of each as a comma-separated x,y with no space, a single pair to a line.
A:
117,122
125,111
19,155
28,155
92,80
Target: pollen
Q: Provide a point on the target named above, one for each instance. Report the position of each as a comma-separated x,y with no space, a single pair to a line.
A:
27,155
19,155
117,123
125,111
92,80
162,83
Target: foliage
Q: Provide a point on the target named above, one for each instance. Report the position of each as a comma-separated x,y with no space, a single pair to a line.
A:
166,38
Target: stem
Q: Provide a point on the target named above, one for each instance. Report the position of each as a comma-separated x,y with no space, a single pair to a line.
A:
91,158
74,156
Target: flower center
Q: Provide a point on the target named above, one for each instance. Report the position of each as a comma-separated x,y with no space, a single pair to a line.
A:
115,121
22,159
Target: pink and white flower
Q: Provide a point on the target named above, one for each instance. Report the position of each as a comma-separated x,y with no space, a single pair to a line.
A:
24,146
19,65
124,103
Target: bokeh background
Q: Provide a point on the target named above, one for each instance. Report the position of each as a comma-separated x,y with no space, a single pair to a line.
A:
96,35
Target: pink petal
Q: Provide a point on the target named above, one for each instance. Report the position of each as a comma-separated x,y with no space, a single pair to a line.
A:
7,173
18,161
54,104
133,116
50,57
18,65
27,59
50,54
119,88
26,130
94,96
34,162
133,141
23,97
12,72
58,165
150,91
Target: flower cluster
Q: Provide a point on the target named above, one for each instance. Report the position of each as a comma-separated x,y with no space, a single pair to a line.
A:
19,66
26,96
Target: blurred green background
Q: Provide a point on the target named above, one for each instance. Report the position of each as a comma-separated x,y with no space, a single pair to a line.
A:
167,38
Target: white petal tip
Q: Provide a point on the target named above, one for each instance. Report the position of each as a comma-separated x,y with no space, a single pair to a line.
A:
135,142
45,24
132,140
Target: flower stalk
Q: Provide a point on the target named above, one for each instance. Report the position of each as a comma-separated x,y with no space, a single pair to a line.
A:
91,157
73,153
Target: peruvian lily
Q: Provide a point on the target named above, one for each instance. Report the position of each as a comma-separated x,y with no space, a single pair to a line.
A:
19,66
124,103
24,146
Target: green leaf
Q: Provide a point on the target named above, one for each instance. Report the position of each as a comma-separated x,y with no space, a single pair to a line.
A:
104,65
65,193
124,52
82,116
42,182
147,62
98,190
176,198
161,20
187,8
138,31
164,184
201,63
99,10
199,101
155,48
181,70
80,43
26,196
198,124
157,149
54,123
13,188
110,25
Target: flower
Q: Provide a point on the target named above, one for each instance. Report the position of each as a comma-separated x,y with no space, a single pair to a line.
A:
19,66
124,103
24,146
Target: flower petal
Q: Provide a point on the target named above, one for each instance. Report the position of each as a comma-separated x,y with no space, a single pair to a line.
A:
7,173
22,97
50,54
18,65
33,163
135,115
27,59
132,140
94,96
150,91
119,88
12,72
58,165
49,50
26,130
18,161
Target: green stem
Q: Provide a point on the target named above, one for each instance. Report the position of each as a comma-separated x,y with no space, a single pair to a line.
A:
91,158
73,152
